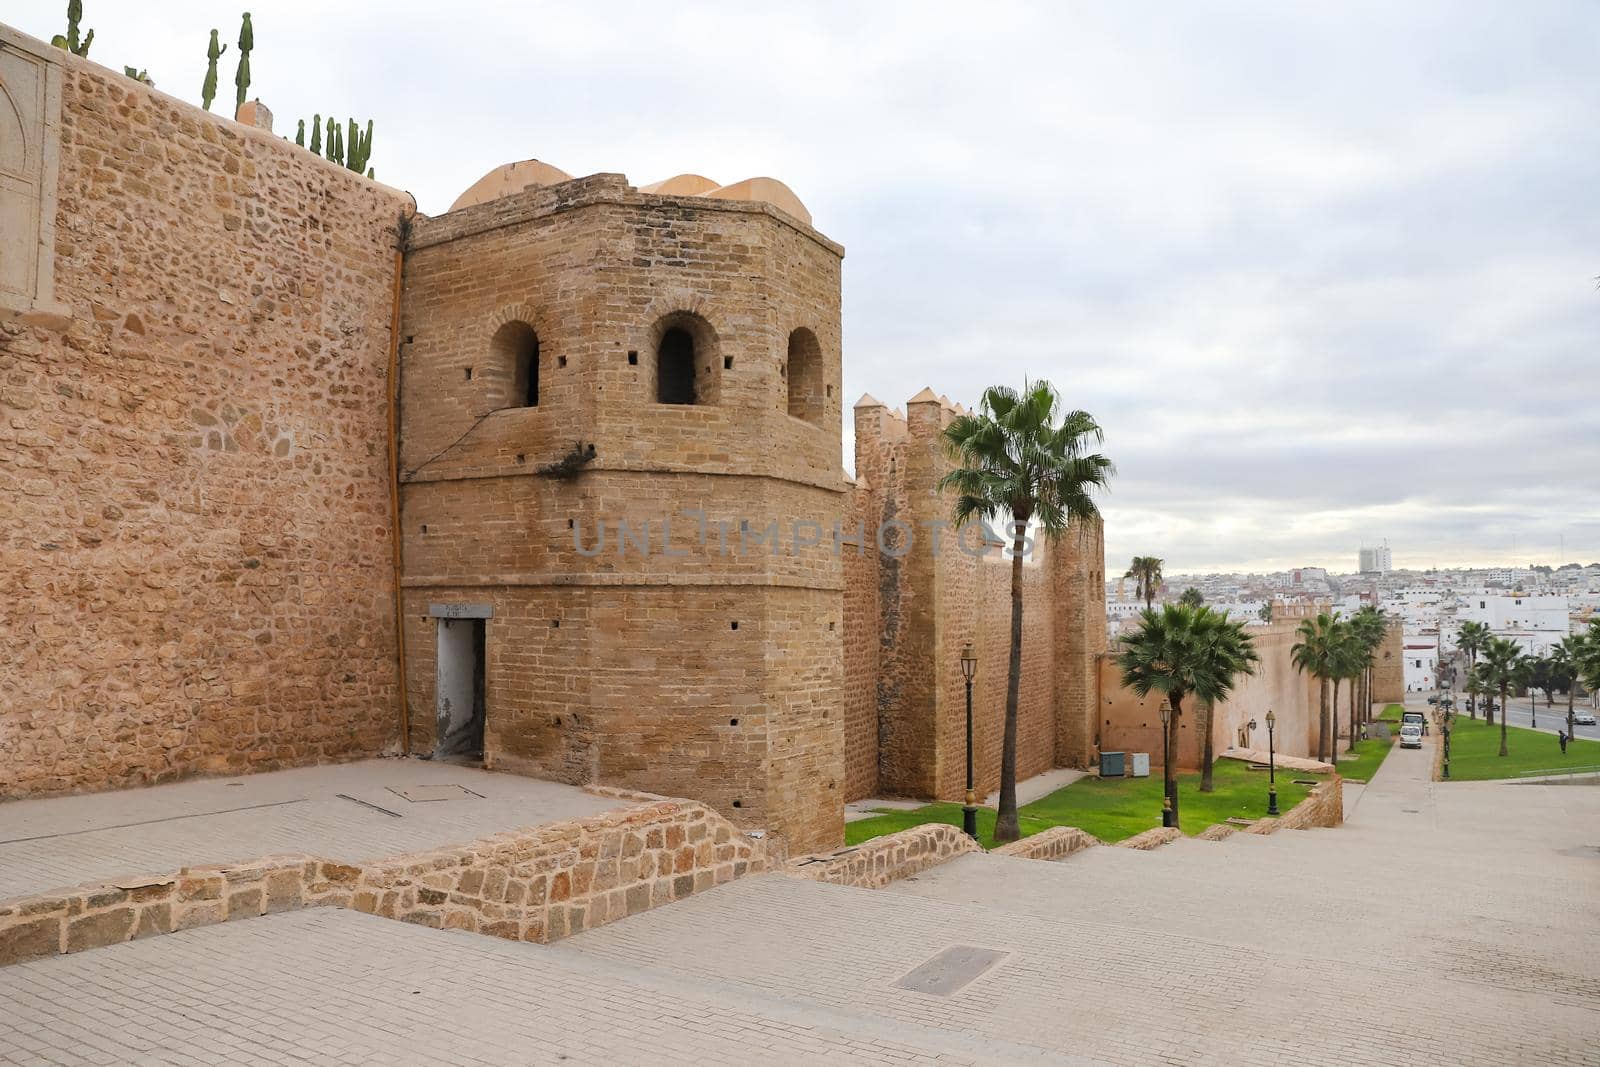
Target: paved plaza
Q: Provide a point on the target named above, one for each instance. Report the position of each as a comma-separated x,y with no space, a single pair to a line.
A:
349,812
1445,923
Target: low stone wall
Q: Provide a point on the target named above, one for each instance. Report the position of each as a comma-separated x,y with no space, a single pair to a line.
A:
1324,806
874,864
1153,838
1216,832
538,884
1056,843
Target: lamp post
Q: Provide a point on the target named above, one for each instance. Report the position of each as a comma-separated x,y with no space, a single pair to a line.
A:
1444,729
1168,816
1272,766
969,810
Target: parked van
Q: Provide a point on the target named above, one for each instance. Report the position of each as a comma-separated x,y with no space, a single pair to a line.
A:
1411,735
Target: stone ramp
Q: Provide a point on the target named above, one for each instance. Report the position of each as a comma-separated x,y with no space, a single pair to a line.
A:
349,812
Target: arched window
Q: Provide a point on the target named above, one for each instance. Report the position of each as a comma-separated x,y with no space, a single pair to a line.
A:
515,348
803,369
675,367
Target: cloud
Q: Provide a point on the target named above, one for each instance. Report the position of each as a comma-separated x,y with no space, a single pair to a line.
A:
1325,275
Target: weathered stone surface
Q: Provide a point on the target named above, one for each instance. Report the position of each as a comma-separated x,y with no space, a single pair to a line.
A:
874,864
30,939
99,928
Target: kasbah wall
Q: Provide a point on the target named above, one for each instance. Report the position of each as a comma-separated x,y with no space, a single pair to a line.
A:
198,568
194,531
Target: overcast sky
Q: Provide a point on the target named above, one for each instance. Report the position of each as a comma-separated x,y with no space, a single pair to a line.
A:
1324,273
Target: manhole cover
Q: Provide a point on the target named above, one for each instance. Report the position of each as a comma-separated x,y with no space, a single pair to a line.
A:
419,794
951,969
1412,811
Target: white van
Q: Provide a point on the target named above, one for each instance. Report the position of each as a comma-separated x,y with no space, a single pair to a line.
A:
1411,735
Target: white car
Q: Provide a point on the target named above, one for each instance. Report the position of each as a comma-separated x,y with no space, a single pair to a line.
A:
1411,735
1583,718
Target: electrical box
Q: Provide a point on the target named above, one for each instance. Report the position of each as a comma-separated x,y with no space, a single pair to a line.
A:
1112,764
1141,765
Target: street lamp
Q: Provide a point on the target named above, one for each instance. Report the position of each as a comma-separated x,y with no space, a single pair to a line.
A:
1168,816
1444,728
1272,766
969,810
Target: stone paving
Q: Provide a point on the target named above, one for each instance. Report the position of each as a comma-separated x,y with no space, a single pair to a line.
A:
1445,923
57,842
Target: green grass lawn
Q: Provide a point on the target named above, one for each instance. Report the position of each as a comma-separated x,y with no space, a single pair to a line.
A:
1114,808
1392,713
1475,752
1370,753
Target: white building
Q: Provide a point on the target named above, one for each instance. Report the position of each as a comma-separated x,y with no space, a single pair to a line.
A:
1375,560
1421,663
1534,622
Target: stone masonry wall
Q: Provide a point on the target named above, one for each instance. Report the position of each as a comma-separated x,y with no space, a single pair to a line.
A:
1130,723
195,561
874,864
930,600
538,884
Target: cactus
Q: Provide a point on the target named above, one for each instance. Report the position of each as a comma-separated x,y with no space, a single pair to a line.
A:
70,42
208,91
360,150
139,75
300,134
241,77
316,135
330,143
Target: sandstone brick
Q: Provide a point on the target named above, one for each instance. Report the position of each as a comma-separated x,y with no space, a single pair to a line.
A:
30,939
100,928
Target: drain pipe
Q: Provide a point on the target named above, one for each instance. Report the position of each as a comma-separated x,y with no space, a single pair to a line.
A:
402,239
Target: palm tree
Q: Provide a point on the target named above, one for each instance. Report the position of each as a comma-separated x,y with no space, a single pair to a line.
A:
1237,649
1475,686
1470,639
1350,657
1370,624
1192,597
1146,571
1022,455
1503,666
1566,662
1265,611
1178,651
1313,655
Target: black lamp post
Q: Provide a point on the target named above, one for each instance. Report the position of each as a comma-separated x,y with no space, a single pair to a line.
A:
1444,729
969,810
1272,766
1168,816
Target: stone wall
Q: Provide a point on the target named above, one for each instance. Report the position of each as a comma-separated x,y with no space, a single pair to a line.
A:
1130,723
1323,806
195,554
929,598
1056,843
1389,674
538,884
874,864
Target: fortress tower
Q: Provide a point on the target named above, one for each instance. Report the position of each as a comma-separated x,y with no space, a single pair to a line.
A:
610,402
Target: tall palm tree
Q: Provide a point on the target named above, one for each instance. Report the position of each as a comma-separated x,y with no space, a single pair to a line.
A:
1265,611
1146,572
1350,662
1470,639
1192,597
1475,686
1178,651
1588,659
1022,455
1564,667
1371,626
1313,655
1237,651
1503,664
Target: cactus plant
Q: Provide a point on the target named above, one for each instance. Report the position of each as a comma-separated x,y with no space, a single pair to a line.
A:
360,148
241,77
139,75
208,91
70,41
300,134
316,135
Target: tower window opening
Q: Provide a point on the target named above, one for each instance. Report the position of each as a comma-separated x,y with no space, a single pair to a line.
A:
675,368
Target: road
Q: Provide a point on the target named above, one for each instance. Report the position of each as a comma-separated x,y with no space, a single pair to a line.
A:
1549,719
